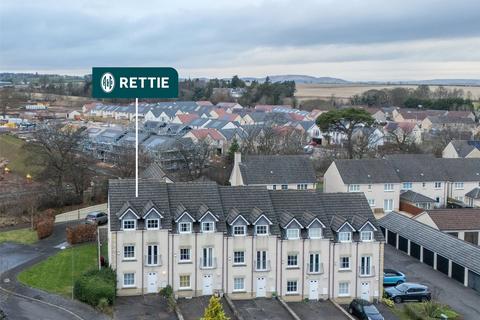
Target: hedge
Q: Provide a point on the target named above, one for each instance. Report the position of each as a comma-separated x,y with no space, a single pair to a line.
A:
81,233
45,228
95,285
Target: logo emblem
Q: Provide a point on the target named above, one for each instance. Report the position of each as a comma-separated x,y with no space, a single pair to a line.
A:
107,82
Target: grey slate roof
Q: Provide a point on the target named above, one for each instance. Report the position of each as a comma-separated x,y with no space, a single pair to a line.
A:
415,197
154,171
277,170
474,193
408,168
463,253
464,147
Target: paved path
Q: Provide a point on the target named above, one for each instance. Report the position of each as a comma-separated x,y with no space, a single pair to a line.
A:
262,308
22,302
317,310
464,300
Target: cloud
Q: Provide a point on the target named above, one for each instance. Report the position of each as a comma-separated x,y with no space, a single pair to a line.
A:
249,36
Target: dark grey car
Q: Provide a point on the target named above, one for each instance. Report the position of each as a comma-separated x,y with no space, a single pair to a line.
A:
408,292
96,217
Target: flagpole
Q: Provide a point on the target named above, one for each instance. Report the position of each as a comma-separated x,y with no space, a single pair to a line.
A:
136,147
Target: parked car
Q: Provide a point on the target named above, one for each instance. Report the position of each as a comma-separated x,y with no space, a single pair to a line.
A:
408,292
395,277
364,310
96,217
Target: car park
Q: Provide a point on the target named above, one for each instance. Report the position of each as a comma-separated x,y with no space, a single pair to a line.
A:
364,310
408,292
394,277
96,217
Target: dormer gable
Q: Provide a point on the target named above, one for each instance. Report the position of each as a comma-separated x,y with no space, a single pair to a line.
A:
240,220
316,223
127,212
367,226
346,227
185,216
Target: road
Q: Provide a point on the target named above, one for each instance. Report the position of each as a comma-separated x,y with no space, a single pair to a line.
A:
444,289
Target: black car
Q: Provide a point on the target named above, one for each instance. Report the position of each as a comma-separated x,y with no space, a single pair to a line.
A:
408,292
364,309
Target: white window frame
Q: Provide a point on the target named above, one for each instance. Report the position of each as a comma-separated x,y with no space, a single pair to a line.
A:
459,185
353,188
369,187
295,235
238,280
340,264
370,236
341,291
313,266
343,233
274,187
366,268
371,202
262,260
205,223
185,223
407,186
238,263
180,282
130,285
189,255
261,234
154,228
133,251
129,220
294,257
284,186
155,259
385,201
292,284
437,185
388,187
208,258
244,231
315,236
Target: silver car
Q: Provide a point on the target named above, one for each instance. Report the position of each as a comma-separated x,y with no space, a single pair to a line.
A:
96,217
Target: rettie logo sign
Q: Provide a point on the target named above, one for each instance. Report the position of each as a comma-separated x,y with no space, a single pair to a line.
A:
134,83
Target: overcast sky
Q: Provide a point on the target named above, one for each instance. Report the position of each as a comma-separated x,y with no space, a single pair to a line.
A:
350,39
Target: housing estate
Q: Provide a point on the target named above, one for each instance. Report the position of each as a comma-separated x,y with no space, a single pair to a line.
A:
384,180
246,241
462,149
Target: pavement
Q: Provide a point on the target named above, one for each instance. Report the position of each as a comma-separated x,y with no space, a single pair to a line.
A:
194,308
262,308
21,302
462,299
317,310
149,307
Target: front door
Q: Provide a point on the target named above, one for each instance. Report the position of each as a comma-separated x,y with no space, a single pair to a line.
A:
207,284
313,290
152,282
365,291
261,287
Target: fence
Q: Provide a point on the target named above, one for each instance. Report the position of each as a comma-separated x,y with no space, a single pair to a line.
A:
79,213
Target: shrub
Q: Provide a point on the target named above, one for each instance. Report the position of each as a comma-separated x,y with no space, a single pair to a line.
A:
48,215
388,302
166,292
45,228
103,304
95,285
81,233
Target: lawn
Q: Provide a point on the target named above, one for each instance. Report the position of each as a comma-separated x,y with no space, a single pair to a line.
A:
427,310
55,274
25,236
12,149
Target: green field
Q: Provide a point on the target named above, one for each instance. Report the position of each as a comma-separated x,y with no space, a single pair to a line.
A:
25,236
55,274
12,149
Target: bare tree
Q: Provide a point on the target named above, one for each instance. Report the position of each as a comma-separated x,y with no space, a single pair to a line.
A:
123,158
403,139
194,156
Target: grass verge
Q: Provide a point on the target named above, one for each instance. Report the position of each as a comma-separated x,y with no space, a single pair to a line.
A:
25,236
13,149
55,274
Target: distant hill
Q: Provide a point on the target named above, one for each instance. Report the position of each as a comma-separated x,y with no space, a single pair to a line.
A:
300,79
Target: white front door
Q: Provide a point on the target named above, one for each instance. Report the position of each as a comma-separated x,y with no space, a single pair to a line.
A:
261,287
365,291
313,290
152,282
207,284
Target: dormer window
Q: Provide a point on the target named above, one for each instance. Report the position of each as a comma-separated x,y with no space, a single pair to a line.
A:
153,224
129,224
261,230
315,233
345,236
293,234
185,227
239,230
366,236
208,226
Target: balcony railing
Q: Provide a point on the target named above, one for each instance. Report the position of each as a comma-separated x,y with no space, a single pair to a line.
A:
208,264
311,269
153,258
365,272
262,267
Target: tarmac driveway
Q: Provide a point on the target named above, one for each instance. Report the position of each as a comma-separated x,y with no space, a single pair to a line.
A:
262,308
194,308
148,307
464,300
317,310
15,254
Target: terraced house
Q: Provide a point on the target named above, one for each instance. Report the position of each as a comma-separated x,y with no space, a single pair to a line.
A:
246,241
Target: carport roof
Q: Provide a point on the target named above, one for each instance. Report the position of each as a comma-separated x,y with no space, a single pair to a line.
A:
459,251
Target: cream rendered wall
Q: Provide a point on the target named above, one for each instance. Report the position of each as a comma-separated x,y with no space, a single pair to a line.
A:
291,186
375,281
449,151
430,191
377,192
475,153
268,243
338,250
215,240
425,219
239,243
332,181
467,186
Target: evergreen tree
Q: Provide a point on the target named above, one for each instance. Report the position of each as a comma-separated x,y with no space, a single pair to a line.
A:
234,147
214,311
